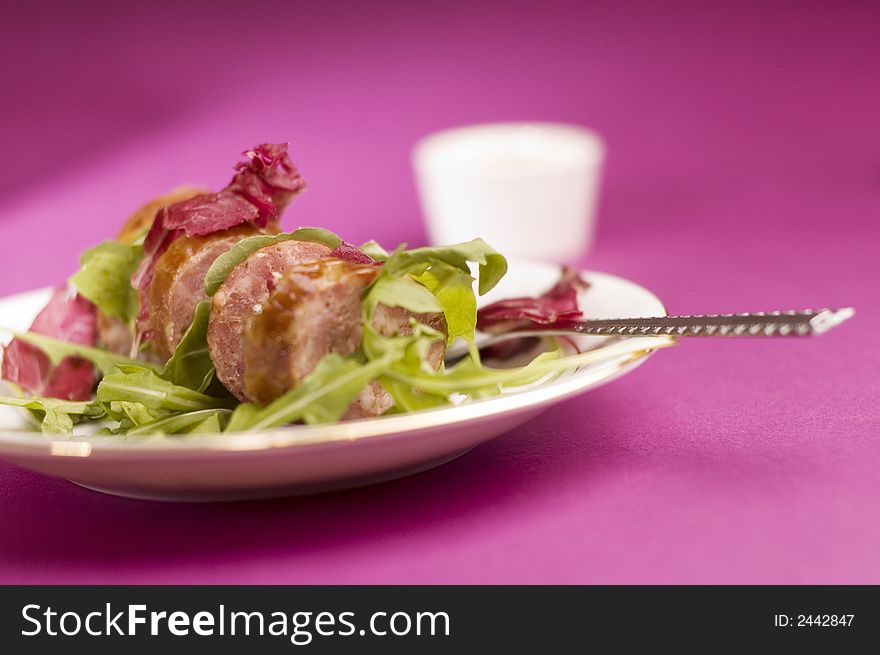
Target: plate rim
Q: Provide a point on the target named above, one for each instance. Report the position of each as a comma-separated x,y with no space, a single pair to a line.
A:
302,436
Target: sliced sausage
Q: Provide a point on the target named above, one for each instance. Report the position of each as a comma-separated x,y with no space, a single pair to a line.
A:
178,284
313,310
273,321
113,333
243,293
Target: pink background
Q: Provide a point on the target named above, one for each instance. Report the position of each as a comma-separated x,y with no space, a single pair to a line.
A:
743,173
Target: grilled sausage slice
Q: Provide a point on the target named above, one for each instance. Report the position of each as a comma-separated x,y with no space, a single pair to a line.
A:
113,333
243,293
283,309
178,284
313,310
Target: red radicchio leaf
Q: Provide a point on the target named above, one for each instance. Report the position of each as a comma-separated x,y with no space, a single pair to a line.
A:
209,213
69,317
351,253
558,305
264,185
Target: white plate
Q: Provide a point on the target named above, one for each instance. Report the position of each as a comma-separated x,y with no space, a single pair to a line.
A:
306,459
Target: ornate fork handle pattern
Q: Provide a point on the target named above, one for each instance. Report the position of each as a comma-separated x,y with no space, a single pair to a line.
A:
755,324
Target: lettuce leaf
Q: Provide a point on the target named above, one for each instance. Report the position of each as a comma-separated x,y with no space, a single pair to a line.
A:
138,384
55,416
199,421
492,265
558,305
57,350
442,273
191,365
471,378
105,278
242,417
212,424
374,251
409,354
403,292
223,265
131,413
68,317
454,291
322,397
424,281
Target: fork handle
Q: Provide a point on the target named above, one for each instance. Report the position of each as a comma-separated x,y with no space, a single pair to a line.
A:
755,324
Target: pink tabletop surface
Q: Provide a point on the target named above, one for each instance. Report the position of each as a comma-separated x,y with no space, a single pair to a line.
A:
743,173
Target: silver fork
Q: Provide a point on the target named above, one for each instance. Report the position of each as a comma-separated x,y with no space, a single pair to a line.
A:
804,323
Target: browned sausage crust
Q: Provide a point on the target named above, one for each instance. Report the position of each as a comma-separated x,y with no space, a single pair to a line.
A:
178,284
113,333
284,308
245,290
313,310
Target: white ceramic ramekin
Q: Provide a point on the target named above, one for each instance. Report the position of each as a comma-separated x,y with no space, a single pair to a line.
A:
529,189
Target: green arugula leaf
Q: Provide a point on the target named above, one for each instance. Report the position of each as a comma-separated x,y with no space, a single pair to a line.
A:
470,378
191,365
213,424
322,397
56,350
141,385
409,354
223,265
410,399
454,290
443,282
318,235
374,250
403,292
131,413
243,416
56,416
492,265
105,278
200,421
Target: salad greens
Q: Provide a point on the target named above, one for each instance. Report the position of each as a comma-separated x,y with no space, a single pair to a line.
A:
184,397
138,384
374,250
195,422
105,278
322,397
56,350
190,365
55,416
